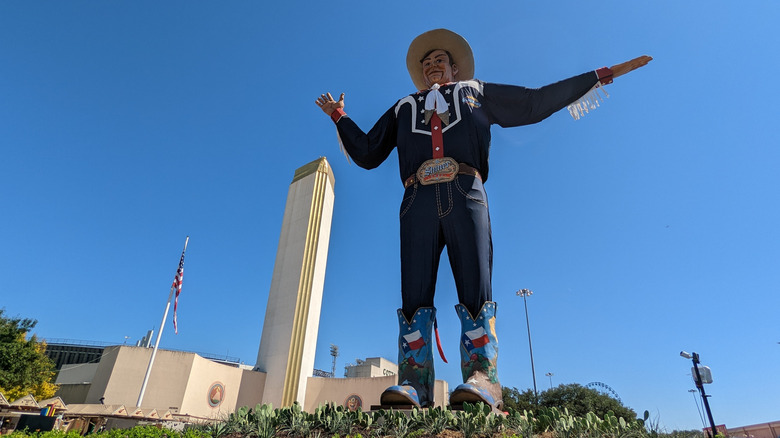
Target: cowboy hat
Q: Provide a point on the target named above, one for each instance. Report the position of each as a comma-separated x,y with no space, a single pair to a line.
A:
442,39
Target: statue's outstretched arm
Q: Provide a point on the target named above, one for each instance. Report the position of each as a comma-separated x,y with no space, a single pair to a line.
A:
625,67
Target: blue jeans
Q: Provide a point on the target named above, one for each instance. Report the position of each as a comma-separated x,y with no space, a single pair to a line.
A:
452,214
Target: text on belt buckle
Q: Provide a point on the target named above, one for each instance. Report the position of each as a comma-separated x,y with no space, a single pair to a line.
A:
437,170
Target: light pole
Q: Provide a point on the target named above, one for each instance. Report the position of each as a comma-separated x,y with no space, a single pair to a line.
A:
700,386
526,293
550,376
334,351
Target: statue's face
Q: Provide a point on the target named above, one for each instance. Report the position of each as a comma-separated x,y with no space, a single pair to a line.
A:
437,68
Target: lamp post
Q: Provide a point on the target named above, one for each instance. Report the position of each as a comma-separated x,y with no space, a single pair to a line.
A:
334,351
527,293
550,376
700,386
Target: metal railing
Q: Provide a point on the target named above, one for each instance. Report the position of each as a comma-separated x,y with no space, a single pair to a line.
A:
82,343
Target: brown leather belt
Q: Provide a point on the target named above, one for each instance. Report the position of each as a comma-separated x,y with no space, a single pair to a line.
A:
463,169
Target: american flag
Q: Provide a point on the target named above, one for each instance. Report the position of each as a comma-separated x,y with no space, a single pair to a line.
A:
177,281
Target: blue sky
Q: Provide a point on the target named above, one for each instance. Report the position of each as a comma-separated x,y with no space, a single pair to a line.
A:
646,228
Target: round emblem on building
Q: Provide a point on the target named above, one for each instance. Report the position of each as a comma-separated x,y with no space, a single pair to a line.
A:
216,394
353,402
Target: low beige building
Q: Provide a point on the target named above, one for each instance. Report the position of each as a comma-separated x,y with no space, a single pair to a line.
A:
183,383
372,367
761,430
191,386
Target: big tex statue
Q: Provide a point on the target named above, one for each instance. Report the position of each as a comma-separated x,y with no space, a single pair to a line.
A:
442,133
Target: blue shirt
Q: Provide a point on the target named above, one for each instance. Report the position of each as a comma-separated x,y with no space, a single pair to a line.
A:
473,107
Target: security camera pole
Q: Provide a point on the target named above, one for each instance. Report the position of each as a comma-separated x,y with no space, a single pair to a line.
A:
700,385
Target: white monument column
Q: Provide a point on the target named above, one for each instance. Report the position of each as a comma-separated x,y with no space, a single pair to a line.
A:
289,338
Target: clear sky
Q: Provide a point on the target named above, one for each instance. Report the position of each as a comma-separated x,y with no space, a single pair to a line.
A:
646,228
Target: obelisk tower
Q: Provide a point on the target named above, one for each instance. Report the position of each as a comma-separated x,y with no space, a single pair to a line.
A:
289,338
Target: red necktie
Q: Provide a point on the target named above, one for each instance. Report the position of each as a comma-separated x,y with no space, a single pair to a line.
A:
436,137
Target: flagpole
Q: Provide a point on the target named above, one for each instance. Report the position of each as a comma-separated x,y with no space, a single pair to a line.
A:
159,335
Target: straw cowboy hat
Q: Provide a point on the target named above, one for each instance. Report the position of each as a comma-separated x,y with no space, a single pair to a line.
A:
442,39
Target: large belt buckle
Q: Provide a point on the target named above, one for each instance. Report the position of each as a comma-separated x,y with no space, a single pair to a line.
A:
437,170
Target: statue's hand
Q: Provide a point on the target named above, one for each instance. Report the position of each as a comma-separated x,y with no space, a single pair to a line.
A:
625,67
328,104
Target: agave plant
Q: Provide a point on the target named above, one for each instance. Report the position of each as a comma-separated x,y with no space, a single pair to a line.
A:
214,430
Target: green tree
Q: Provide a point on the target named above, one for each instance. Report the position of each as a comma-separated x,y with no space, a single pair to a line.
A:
578,399
24,366
519,401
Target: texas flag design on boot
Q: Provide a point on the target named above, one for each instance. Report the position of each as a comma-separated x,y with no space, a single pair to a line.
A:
412,341
476,338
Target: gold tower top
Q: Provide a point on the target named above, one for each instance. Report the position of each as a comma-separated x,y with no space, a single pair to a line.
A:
319,165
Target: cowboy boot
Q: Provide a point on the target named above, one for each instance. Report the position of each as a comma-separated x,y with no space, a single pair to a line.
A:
415,361
478,356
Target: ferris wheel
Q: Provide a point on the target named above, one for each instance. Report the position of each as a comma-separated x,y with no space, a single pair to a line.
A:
604,389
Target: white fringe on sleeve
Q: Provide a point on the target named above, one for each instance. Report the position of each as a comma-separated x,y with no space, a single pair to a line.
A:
590,101
341,147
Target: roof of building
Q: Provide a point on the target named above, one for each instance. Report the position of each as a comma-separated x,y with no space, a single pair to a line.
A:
56,403
28,401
